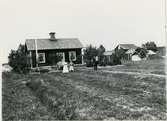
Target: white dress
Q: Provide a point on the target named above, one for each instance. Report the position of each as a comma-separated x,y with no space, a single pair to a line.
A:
71,67
65,68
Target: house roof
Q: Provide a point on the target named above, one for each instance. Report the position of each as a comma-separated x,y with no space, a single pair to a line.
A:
109,52
131,51
128,46
161,48
60,43
150,52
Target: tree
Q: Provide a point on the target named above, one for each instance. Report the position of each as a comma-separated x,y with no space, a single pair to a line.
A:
150,46
142,52
101,51
18,59
89,53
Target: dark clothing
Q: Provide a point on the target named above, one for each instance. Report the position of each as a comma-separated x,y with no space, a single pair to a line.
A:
95,67
95,63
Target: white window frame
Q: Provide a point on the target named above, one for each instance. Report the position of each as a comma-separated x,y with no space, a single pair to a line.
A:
75,55
43,56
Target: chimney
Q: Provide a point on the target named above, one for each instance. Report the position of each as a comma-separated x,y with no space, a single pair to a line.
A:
52,36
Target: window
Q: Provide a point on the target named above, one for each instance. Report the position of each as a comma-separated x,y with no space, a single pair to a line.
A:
72,56
41,57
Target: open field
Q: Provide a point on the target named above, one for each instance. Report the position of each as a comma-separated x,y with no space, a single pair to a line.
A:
88,94
149,66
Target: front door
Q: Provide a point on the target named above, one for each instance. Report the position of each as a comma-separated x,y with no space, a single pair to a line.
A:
62,54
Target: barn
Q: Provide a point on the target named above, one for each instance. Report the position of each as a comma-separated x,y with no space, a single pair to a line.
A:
127,50
48,48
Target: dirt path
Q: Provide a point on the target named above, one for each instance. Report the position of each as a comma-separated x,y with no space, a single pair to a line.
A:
136,73
130,73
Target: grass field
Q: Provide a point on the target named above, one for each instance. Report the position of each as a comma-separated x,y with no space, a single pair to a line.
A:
88,94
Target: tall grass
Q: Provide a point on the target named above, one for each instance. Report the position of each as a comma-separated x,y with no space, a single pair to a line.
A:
18,103
56,101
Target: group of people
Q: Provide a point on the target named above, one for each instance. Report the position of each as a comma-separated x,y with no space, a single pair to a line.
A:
68,67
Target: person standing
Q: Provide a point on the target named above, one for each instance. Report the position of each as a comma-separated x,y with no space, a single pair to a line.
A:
95,62
97,59
71,68
65,67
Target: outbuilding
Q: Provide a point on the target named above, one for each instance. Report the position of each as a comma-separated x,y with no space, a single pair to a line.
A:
136,58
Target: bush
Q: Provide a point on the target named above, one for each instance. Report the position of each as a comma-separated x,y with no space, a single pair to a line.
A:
18,60
102,63
142,52
116,59
150,46
79,59
101,56
89,63
89,53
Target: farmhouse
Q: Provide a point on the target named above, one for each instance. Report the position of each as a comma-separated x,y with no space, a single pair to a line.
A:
126,49
67,48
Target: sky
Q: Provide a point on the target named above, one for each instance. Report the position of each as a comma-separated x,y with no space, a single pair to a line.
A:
106,22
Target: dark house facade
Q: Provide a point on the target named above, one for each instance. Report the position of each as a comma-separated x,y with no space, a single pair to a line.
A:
70,49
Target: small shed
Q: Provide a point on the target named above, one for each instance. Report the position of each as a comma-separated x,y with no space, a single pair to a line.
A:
136,58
